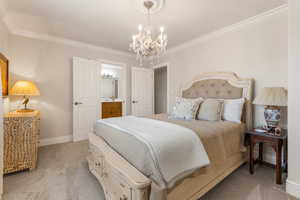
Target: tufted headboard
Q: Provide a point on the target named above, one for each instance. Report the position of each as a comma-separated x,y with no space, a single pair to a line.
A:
222,85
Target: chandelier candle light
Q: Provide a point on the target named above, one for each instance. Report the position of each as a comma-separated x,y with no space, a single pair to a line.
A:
143,44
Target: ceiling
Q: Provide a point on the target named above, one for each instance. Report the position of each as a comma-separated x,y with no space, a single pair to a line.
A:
110,23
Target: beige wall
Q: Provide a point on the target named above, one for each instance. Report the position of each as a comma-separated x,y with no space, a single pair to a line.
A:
49,64
293,183
3,38
257,50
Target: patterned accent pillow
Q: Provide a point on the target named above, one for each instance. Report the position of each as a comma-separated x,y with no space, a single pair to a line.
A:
186,108
210,110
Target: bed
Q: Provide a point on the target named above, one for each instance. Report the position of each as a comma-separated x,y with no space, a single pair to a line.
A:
223,141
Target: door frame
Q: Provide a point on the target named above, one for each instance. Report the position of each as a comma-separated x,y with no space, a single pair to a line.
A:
125,77
142,68
161,65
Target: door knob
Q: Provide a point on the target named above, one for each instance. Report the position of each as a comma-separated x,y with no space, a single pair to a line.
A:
77,103
134,101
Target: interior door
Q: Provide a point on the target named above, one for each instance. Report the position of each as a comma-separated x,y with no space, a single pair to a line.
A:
142,91
86,96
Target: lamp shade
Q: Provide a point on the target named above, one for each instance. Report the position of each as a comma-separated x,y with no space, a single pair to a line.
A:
276,96
24,88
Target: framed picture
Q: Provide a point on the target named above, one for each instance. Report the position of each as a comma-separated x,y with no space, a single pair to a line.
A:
4,74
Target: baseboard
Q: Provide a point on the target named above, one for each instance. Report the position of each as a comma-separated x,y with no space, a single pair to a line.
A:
293,188
269,156
56,140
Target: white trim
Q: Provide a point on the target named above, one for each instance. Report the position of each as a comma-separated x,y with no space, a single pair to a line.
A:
268,156
56,140
74,43
201,39
293,188
233,27
160,65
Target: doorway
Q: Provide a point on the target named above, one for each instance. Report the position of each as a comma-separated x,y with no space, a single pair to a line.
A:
142,80
161,89
96,82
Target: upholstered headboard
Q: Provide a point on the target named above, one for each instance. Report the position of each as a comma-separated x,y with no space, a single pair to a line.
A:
221,85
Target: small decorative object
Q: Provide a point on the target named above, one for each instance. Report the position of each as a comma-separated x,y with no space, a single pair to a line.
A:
25,88
4,74
278,131
273,99
260,130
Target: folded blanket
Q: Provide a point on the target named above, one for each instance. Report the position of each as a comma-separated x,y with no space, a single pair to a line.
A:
174,149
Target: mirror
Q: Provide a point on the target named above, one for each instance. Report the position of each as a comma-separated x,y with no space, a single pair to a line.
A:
109,88
111,81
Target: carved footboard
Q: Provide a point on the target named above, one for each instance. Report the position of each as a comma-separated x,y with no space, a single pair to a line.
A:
120,180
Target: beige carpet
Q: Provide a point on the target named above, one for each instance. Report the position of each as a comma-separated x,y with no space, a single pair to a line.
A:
63,174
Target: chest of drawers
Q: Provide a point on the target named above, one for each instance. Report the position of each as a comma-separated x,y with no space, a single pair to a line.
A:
111,109
21,141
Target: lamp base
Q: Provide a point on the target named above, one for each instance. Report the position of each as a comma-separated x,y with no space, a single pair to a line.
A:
25,110
272,116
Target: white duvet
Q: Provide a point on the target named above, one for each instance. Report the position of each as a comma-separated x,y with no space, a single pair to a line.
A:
174,149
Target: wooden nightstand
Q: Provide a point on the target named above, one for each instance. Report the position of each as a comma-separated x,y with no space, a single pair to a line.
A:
276,142
21,141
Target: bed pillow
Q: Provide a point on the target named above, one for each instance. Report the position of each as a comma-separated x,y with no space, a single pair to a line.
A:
210,110
233,110
186,108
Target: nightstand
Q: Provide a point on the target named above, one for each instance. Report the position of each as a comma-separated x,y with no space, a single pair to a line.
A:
276,142
21,140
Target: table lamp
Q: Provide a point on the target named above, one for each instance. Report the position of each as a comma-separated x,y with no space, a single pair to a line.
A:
272,99
25,88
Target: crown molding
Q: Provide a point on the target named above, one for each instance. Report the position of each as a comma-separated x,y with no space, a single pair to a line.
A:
61,40
191,43
215,34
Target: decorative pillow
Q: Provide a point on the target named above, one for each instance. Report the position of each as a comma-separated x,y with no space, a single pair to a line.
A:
233,110
186,108
210,110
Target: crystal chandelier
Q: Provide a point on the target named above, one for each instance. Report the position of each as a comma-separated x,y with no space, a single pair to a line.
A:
143,43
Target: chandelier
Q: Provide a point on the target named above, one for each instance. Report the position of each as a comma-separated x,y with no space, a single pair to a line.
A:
145,44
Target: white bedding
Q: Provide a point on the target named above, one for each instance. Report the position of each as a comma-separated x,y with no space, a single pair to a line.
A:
174,149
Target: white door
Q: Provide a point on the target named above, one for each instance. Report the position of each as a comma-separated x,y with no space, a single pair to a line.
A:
142,91
86,100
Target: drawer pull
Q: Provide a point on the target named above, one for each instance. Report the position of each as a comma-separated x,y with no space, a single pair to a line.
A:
98,164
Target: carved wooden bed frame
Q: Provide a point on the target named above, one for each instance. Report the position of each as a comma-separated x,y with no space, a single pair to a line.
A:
121,181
